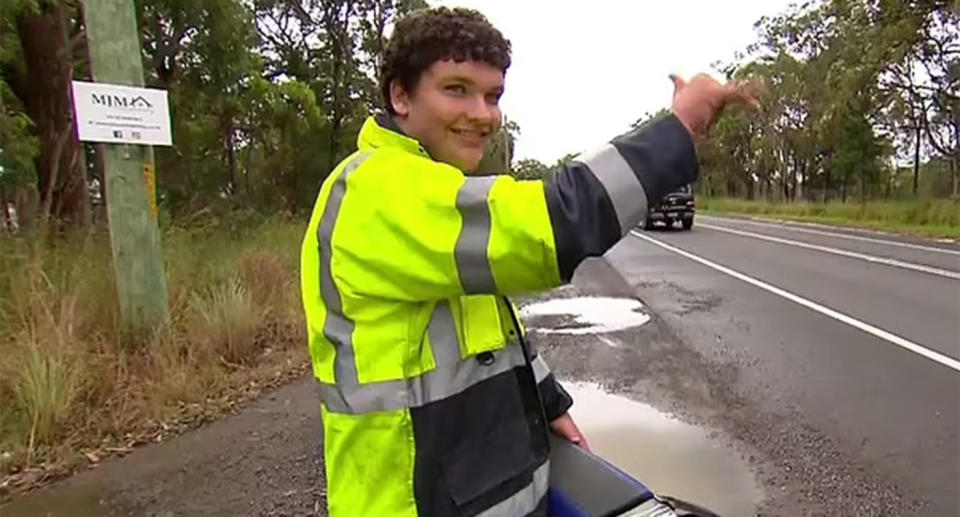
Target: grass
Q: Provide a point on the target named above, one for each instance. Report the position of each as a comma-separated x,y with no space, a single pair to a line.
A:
224,323
929,218
72,381
46,383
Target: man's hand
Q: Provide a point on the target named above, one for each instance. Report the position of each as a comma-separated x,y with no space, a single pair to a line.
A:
565,427
700,102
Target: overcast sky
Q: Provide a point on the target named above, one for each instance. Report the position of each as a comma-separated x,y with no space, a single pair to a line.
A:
583,71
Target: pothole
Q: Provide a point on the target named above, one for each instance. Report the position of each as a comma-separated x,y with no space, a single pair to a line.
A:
670,456
585,315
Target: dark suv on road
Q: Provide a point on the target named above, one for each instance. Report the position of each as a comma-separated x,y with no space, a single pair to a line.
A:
677,206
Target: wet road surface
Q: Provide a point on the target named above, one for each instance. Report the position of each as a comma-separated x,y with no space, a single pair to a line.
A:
855,336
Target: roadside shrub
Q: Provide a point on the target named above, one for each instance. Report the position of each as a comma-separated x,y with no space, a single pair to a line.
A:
933,217
45,380
267,280
224,321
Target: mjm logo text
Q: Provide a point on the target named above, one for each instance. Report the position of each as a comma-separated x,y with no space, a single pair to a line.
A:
120,101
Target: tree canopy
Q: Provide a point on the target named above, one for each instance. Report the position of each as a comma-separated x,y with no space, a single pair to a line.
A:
861,97
266,96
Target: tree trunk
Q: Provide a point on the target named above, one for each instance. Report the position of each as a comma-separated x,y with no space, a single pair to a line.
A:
826,186
3,210
337,17
789,170
246,168
801,181
953,175
380,14
862,176
25,206
232,164
731,187
46,94
336,123
916,160
955,160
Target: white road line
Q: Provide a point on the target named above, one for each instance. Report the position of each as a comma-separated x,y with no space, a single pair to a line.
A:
794,228
826,311
851,254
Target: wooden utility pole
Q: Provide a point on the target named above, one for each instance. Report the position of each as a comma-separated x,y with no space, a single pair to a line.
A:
114,44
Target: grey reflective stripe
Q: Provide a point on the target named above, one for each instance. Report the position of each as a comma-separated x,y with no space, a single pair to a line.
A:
524,501
356,398
452,375
363,398
540,369
470,252
621,183
337,328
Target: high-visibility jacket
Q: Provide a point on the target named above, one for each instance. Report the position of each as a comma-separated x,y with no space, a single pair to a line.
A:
430,406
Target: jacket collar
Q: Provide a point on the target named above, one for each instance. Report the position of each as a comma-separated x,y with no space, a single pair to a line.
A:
382,131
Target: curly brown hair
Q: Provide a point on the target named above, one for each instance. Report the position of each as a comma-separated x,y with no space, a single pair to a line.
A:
429,35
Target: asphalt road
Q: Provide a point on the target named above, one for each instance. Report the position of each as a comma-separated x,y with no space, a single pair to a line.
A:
853,337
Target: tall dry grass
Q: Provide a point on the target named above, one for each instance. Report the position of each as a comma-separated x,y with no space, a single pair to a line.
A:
70,377
224,322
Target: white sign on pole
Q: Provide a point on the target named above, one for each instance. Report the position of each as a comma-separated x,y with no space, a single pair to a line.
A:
119,114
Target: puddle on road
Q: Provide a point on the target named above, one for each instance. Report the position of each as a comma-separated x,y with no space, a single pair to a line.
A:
671,457
591,314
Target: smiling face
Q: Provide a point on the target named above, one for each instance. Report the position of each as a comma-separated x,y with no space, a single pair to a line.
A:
453,110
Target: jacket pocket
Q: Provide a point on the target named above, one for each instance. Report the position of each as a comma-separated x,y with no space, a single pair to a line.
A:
480,325
478,466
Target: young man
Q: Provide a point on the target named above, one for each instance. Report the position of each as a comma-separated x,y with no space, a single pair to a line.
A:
431,406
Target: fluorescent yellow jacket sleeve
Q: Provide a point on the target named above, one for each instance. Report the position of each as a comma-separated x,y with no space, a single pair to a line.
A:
410,228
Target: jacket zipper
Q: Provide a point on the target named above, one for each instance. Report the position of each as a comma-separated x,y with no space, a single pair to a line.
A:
526,359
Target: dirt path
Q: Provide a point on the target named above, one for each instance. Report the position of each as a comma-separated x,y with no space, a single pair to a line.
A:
266,460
